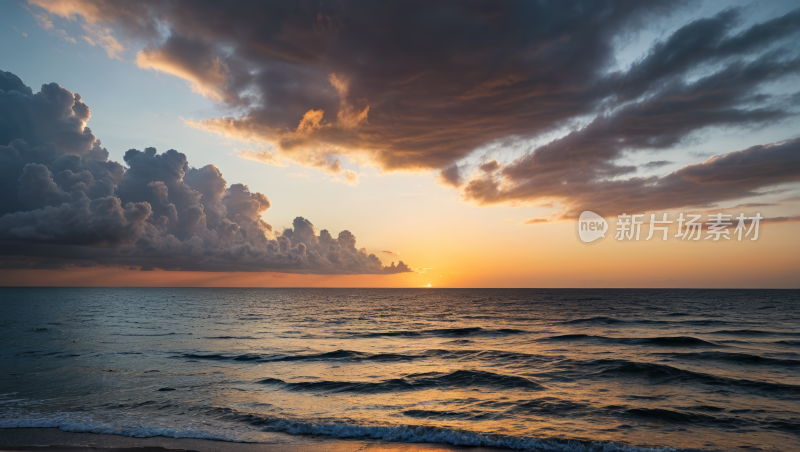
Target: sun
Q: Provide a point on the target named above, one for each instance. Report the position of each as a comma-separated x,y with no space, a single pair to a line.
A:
429,284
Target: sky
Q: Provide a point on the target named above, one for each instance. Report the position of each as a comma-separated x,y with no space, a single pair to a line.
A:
396,144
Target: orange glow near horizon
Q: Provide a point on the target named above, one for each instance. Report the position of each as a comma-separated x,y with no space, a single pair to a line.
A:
551,257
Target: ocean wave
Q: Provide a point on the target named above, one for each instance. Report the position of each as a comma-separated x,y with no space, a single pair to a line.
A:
70,422
349,355
429,380
614,321
443,435
755,333
447,415
200,356
606,320
740,358
671,341
231,337
571,337
442,332
670,415
689,416
549,406
401,433
662,373
493,356
143,335
662,341
496,356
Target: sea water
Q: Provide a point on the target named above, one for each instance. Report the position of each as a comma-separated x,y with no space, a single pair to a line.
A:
519,369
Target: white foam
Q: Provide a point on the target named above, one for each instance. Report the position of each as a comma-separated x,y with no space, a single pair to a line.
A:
243,432
420,434
87,423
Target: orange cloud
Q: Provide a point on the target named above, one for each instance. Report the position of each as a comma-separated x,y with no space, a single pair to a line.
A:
207,82
92,13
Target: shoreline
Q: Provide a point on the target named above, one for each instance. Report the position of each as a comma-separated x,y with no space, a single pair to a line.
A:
51,439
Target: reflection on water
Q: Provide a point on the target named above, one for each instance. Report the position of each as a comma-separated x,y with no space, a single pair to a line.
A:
712,370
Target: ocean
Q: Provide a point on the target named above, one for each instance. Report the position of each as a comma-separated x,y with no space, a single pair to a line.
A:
539,370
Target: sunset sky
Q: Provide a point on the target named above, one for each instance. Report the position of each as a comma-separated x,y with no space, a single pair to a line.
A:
461,138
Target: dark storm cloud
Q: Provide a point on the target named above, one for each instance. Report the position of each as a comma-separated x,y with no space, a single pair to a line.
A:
402,84
62,202
53,115
421,85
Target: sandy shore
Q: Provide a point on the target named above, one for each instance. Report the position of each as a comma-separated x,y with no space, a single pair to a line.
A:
55,440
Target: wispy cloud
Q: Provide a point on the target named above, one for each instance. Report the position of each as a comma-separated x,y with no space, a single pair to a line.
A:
18,32
656,164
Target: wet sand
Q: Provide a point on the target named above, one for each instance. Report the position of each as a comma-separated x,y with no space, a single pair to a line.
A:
55,440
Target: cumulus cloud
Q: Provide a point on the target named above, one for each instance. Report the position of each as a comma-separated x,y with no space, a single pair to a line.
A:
63,202
317,82
400,268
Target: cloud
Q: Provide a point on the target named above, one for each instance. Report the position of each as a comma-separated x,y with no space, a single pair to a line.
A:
19,32
579,168
450,176
53,116
94,14
750,205
319,83
400,268
62,202
731,176
781,219
97,36
376,92
62,35
536,221
194,61
656,164
261,156
490,166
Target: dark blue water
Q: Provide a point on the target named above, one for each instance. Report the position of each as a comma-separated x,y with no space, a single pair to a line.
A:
522,369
